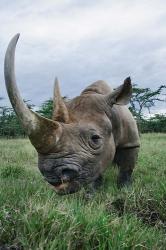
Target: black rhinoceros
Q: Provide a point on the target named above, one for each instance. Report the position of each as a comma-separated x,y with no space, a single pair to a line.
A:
84,135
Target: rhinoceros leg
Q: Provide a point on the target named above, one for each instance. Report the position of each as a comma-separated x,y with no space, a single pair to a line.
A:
125,159
98,182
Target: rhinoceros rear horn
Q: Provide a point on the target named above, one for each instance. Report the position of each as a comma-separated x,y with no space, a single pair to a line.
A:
42,132
121,95
60,111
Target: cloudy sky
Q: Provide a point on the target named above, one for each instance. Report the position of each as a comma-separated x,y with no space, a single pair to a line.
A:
82,41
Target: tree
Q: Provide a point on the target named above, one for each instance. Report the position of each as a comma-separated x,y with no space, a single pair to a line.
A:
9,123
156,124
145,98
46,108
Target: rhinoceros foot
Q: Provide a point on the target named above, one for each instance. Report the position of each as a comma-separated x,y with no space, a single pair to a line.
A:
124,178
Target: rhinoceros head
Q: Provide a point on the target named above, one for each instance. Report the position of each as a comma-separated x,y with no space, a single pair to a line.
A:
75,146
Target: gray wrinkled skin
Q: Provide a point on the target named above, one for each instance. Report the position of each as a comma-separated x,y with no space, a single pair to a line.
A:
75,150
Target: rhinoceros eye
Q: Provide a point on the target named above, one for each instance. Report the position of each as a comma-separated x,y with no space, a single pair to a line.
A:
95,138
95,141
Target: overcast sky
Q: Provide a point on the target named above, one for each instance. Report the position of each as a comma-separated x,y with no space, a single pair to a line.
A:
82,41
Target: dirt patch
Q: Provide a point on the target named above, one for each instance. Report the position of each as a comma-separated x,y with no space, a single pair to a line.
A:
116,206
149,214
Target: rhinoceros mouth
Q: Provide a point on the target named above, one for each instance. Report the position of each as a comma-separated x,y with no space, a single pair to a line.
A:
67,187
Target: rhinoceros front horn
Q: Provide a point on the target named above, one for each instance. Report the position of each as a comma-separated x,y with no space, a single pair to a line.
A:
42,132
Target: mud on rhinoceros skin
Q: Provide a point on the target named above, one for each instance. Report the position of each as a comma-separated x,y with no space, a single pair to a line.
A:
84,135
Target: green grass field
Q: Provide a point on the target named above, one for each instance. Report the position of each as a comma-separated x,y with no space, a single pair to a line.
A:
33,216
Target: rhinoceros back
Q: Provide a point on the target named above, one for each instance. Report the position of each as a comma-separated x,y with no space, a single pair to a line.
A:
99,87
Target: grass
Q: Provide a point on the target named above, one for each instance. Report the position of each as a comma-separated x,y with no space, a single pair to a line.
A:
33,216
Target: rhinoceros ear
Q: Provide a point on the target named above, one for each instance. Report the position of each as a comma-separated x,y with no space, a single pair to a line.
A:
121,95
60,111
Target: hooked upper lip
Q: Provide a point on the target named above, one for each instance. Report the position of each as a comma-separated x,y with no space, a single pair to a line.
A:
64,187
61,184
53,182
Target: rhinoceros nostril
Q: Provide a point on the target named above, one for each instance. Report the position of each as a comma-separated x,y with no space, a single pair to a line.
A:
65,178
68,174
